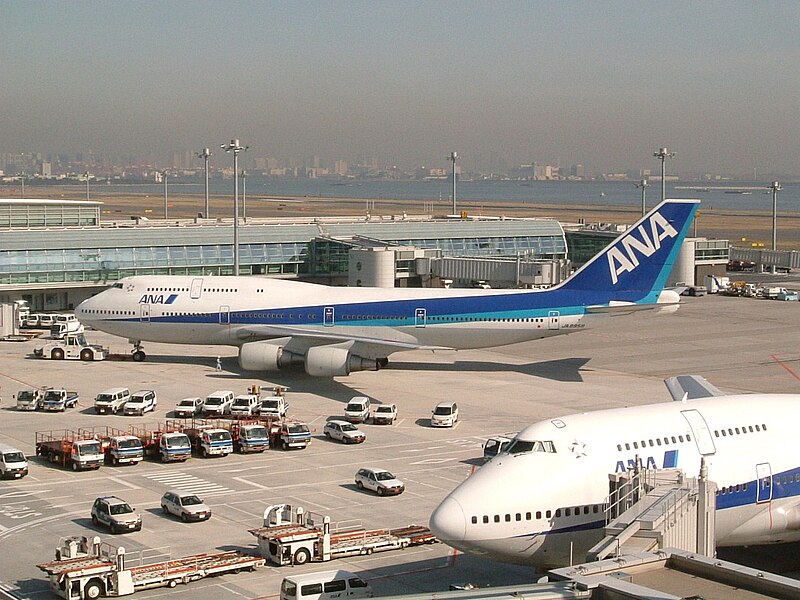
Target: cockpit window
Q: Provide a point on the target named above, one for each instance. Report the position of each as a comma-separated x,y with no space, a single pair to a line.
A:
117,285
523,446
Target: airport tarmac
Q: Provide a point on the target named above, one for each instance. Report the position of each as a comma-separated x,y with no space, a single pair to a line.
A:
739,344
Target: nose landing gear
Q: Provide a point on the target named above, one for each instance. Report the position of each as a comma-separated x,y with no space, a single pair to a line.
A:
137,353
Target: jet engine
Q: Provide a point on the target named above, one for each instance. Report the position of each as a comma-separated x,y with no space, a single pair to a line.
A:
266,356
333,361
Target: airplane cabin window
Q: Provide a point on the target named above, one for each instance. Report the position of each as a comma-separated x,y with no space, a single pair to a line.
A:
548,514
485,518
716,433
567,512
538,514
497,518
688,438
518,517
528,516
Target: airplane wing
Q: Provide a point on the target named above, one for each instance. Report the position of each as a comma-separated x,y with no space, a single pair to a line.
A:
314,337
691,387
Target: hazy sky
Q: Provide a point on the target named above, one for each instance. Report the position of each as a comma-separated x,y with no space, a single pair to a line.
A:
597,82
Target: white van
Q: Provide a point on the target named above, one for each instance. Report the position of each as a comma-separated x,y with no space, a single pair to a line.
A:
244,405
111,401
13,464
218,404
326,585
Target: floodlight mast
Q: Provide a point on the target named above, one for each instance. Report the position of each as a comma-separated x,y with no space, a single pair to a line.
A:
643,185
663,155
86,176
453,158
164,174
244,195
205,154
235,147
775,187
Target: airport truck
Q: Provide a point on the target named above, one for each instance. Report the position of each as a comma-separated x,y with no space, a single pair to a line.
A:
210,441
166,442
249,437
30,399
73,347
68,448
291,434
118,446
290,537
59,400
87,568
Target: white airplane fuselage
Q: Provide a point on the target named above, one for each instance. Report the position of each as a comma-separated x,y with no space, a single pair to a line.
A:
545,508
227,308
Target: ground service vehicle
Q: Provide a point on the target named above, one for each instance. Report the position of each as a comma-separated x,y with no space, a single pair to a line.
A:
73,347
296,537
141,402
185,505
495,445
357,410
111,401
62,327
384,414
218,404
380,481
59,400
67,448
345,432
274,406
210,441
168,442
31,321
244,405
88,569
30,399
327,585
291,434
250,436
123,449
13,464
189,407
116,514
444,415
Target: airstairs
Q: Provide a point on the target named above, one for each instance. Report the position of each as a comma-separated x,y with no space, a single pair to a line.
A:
651,509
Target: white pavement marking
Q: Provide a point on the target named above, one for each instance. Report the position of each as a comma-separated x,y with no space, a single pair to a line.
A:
251,483
188,483
125,483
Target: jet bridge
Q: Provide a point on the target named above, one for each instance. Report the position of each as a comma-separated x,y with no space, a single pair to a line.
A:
649,510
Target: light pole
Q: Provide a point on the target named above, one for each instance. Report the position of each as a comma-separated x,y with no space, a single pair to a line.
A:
775,187
453,157
663,154
205,154
235,147
22,179
244,194
86,175
644,185
164,174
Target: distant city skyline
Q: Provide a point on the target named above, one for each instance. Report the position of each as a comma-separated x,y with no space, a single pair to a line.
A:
603,85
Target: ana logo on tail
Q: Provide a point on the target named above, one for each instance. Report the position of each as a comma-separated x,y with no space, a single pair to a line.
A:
622,256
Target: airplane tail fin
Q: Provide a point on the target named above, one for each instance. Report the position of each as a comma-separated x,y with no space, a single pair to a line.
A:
635,266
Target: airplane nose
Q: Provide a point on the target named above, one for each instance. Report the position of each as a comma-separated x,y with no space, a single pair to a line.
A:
448,521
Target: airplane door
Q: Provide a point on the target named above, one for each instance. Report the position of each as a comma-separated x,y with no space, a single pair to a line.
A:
225,315
144,313
328,314
197,288
702,435
764,483
420,317
552,320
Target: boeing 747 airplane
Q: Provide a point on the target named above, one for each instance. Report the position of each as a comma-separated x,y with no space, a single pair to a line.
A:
336,330
542,500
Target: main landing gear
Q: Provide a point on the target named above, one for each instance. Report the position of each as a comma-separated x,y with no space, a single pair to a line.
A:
137,353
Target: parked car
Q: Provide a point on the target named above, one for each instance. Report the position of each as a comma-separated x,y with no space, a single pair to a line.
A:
116,514
141,402
357,410
444,415
189,407
380,481
384,414
345,432
186,506
244,405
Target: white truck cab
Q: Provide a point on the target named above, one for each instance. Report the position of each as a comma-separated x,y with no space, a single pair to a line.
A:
273,407
357,410
13,464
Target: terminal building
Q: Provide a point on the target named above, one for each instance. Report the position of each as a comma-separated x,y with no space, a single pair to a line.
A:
55,253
